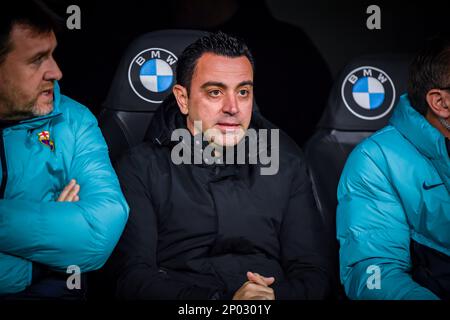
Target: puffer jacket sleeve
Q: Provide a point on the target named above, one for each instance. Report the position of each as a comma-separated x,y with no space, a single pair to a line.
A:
373,231
15,274
304,254
83,233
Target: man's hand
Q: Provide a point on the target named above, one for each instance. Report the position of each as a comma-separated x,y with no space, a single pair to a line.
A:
257,288
70,192
259,279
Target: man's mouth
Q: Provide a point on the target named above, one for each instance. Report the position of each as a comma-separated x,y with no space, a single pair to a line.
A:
228,126
47,93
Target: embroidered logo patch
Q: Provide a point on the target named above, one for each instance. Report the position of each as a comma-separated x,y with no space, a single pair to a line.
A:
44,138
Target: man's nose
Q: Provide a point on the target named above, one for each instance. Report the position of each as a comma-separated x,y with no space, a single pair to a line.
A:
230,105
53,72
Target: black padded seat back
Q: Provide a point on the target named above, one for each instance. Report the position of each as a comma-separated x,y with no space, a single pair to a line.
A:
144,77
361,101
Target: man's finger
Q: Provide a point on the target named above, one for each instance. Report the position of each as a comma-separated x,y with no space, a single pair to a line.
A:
259,291
66,190
73,192
257,278
256,287
268,280
250,289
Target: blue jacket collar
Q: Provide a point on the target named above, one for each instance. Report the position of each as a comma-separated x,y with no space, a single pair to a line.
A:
38,121
417,130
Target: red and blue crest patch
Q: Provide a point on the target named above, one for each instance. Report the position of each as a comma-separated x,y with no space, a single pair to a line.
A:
44,138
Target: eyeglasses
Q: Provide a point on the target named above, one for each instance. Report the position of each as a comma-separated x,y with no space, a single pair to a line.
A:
445,88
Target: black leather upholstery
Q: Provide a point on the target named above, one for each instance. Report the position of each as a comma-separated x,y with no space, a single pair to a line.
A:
130,105
345,123
340,130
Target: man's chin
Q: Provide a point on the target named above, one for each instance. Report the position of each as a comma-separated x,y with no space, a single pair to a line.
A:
224,138
42,109
228,140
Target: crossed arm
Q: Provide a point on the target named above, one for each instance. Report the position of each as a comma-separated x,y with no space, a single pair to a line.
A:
16,272
80,228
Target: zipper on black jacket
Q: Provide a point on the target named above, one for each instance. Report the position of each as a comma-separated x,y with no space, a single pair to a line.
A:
4,167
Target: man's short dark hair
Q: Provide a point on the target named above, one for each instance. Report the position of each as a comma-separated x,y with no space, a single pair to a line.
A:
218,43
32,13
429,70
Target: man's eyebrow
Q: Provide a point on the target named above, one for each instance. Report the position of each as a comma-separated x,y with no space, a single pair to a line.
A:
214,84
42,53
245,83
223,85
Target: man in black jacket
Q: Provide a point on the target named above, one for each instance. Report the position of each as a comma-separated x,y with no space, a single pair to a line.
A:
208,221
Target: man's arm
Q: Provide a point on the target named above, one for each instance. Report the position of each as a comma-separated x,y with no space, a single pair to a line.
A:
83,233
373,232
133,266
303,245
15,274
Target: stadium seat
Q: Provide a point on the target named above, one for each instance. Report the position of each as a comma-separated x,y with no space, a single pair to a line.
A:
361,102
144,77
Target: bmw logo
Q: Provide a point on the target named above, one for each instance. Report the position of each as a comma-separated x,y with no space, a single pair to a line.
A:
368,93
151,74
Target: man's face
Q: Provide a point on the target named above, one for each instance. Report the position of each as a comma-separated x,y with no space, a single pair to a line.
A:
27,74
221,97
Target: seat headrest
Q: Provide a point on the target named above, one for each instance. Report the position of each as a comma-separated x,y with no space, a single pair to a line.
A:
365,92
146,73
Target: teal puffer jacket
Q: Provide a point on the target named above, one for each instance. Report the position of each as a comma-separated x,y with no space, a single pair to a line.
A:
395,187
41,156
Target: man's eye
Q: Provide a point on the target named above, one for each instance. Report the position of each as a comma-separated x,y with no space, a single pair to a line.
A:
39,60
243,92
214,93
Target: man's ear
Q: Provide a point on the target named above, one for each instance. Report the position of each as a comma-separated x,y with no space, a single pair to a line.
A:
181,96
439,103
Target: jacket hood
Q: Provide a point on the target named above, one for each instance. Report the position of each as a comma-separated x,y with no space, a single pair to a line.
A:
416,129
166,119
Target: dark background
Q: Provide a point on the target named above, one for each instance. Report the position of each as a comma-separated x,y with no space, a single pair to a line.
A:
298,45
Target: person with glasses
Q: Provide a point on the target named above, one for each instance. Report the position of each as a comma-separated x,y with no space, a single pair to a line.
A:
393,217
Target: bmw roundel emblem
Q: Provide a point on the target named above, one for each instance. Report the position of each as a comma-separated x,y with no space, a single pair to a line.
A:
152,73
368,93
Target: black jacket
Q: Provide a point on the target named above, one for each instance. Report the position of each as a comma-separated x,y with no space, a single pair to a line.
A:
194,230
431,269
